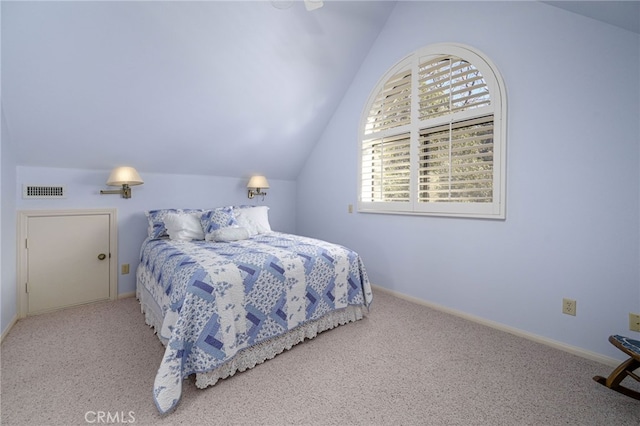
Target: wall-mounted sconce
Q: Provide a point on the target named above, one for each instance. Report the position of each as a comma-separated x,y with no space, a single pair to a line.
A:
125,177
256,185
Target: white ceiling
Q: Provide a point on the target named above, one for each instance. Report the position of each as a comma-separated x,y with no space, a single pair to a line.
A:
208,87
624,14
217,88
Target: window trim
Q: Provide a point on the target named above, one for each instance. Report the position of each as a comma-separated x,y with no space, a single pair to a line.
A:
497,92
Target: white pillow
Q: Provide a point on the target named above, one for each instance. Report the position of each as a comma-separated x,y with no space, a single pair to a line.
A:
184,227
230,233
254,218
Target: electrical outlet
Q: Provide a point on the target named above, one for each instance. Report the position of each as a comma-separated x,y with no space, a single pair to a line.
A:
569,307
634,322
125,269
350,209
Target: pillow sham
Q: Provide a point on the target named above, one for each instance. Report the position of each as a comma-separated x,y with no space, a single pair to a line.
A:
184,226
254,218
157,228
230,233
221,217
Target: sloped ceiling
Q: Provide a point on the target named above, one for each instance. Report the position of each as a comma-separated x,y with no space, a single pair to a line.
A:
624,14
213,88
208,87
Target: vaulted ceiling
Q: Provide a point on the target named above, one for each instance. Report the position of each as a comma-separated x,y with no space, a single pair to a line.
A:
226,88
215,88
624,14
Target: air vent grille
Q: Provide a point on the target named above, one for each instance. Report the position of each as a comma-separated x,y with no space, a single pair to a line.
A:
44,191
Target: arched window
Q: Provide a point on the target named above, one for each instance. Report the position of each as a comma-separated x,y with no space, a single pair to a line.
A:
433,137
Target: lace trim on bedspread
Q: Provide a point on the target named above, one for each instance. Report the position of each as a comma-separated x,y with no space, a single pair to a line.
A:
254,355
257,354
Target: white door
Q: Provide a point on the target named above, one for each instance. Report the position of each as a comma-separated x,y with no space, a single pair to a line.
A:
68,261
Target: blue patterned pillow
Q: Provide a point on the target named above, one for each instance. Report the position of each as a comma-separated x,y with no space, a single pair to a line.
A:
157,229
221,217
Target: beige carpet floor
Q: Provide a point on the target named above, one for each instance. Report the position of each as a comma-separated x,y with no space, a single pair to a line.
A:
405,364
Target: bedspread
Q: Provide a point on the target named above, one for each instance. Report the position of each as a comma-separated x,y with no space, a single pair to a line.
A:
219,298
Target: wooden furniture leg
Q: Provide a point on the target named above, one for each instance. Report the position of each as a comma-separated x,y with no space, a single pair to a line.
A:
632,348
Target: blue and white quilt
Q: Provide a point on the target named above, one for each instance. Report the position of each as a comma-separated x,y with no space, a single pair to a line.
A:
217,299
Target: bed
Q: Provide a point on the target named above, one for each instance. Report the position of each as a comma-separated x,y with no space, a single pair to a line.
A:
224,292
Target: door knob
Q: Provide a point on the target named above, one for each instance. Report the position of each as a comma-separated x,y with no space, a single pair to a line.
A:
102,256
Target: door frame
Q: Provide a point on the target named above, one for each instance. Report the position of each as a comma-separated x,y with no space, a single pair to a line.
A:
21,250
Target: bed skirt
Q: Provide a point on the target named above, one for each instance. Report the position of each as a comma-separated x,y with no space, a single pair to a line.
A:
263,351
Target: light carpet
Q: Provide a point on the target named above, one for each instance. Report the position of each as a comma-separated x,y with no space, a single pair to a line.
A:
405,364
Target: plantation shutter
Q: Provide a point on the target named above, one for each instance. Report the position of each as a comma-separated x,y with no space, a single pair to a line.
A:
448,85
386,169
456,162
433,137
456,158
392,106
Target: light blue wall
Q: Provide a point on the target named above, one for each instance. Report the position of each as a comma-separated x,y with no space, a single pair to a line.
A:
7,229
572,227
158,191
573,193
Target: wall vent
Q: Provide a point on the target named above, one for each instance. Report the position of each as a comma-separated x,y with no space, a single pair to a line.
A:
44,191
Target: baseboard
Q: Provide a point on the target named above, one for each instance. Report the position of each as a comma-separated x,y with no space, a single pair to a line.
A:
593,356
8,329
127,295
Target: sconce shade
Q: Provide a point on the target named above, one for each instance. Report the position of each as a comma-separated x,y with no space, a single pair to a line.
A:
124,176
258,182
